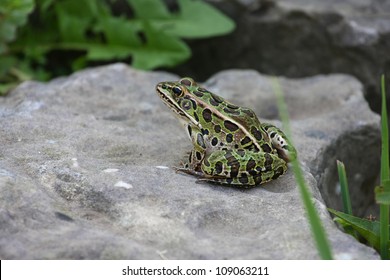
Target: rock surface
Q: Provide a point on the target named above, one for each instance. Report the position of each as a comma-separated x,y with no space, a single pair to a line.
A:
299,38
84,170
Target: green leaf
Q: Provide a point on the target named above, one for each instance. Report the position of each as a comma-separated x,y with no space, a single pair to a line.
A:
366,228
119,31
160,50
13,13
73,18
149,9
344,188
196,19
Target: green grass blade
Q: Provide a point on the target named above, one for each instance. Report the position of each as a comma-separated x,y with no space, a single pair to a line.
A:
344,188
317,229
384,209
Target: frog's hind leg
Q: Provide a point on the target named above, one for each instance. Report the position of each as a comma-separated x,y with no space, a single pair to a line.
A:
243,168
280,142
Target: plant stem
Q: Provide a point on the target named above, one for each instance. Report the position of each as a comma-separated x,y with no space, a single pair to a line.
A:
317,229
384,209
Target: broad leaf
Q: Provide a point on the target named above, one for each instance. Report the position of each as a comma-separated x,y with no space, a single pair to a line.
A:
149,9
196,19
13,13
366,228
160,50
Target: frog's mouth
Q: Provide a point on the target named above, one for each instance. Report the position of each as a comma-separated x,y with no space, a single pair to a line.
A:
175,108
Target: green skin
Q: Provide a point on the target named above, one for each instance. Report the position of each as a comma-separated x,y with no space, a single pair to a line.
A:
231,146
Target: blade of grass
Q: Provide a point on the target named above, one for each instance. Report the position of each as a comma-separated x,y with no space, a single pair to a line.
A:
344,188
384,209
318,232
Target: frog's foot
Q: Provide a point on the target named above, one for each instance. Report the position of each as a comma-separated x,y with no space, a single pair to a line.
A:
188,170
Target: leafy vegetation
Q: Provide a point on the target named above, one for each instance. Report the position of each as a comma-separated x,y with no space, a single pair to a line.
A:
45,38
376,233
317,229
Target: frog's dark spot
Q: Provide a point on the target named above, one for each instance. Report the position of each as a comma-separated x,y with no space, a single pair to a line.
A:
190,157
234,170
214,141
216,98
217,128
268,161
205,131
186,82
198,155
250,165
266,148
196,117
214,103
248,112
224,149
232,106
198,93
253,172
63,217
267,126
233,163
218,167
200,141
202,89
273,134
194,106
258,179
230,125
232,112
255,132
229,138
229,180
206,162
236,146
241,152
207,115
245,141
278,172
189,128
243,179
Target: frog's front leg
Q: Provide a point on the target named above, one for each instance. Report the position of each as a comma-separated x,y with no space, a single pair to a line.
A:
241,167
197,153
280,142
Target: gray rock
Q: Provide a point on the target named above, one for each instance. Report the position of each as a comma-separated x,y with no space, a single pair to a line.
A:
85,170
299,38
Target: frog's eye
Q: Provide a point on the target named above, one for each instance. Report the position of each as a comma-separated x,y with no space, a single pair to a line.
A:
186,104
177,91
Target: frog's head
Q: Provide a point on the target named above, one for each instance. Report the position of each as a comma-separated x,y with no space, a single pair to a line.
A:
179,97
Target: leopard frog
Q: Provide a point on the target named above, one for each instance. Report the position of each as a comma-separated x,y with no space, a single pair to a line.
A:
230,145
